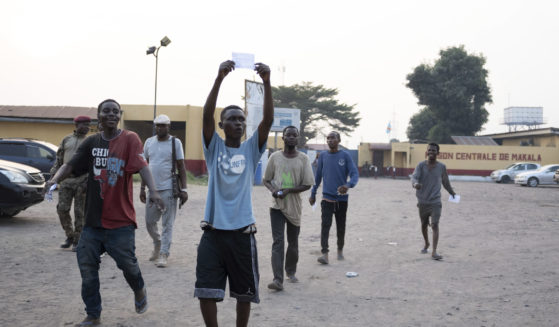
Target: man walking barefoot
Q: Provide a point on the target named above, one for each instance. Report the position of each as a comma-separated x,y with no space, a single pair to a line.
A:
426,179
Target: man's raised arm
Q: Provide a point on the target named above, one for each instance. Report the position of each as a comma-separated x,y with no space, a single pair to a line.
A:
268,115
208,123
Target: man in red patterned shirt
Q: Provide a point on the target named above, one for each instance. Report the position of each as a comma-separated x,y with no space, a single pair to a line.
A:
110,157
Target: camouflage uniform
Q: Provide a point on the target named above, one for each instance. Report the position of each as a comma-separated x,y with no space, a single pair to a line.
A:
70,188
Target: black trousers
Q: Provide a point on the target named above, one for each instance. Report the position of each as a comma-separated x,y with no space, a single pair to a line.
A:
329,209
279,222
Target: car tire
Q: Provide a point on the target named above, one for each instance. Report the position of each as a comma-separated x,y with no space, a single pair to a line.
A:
505,179
8,213
532,182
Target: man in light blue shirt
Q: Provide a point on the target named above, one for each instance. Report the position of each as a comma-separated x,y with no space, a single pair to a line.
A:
227,249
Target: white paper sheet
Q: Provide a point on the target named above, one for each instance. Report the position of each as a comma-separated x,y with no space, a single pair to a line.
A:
243,60
455,199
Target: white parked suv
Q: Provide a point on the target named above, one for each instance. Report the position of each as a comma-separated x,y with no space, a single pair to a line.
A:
507,175
544,175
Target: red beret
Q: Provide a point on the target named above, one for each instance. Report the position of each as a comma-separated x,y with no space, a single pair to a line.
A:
82,119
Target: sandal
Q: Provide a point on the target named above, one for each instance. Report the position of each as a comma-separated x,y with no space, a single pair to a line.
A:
90,321
142,305
437,257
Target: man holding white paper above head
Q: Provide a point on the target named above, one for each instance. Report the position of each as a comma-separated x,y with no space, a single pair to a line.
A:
427,179
227,249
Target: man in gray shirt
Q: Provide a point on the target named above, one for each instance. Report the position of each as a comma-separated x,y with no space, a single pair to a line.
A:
426,179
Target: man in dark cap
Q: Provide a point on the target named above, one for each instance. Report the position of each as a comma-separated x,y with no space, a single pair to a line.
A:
72,188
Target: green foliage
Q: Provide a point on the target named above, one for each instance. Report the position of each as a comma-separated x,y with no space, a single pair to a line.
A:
317,104
420,124
196,180
454,92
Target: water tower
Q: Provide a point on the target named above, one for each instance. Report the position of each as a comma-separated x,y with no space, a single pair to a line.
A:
519,118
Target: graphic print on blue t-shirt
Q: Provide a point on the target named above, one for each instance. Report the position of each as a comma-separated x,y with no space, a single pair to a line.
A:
232,166
231,175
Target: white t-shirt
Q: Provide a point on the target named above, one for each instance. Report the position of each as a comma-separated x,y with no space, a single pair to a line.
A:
159,154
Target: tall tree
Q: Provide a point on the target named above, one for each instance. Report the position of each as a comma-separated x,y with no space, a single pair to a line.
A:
420,124
454,92
317,104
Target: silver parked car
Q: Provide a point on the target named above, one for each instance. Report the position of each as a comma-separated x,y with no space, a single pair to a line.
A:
507,175
544,175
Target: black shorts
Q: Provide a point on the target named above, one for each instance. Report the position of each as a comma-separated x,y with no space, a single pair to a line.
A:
226,255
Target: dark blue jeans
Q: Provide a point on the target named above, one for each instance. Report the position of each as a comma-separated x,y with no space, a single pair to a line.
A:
119,243
329,209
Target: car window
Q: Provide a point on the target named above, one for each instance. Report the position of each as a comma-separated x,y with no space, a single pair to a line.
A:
12,149
532,166
44,153
518,167
34,151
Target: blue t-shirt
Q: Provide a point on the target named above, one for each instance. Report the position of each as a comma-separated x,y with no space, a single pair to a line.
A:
231,170
334,169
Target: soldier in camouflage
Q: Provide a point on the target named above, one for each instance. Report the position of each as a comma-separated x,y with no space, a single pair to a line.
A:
72,187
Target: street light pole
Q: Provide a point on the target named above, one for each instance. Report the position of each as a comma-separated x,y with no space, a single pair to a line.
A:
155,51
155,97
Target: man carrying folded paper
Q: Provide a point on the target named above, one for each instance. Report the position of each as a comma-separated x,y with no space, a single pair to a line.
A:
427,179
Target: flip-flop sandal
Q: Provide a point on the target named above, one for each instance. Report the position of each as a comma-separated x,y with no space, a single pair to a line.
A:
142,305
437,257
90,321
424,251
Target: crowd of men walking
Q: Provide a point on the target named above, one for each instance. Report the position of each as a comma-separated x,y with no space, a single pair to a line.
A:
96,172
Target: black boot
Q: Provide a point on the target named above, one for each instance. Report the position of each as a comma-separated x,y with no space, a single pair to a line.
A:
66,243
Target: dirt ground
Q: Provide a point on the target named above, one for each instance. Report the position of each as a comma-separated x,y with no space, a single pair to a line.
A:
500,267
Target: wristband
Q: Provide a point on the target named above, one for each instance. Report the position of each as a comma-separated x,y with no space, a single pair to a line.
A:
184,190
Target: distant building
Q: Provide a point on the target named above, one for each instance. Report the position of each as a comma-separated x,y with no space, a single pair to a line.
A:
52,123
547,137
471,155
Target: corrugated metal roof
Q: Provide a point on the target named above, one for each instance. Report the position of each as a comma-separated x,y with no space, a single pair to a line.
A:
473,140
322,147
524,133
317,147
380,146
47,112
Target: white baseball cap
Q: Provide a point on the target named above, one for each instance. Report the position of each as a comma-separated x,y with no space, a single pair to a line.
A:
162,119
